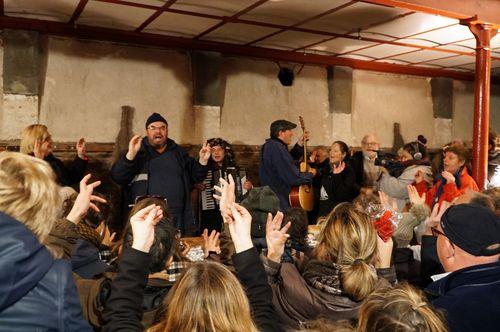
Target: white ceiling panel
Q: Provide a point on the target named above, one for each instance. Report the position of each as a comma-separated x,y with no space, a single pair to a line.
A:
495,41
412,24
342,45
451,61
50,10
180,25
420,56
113,16
447,35
238,33
353,17
290,11
213,7
291,40
384,50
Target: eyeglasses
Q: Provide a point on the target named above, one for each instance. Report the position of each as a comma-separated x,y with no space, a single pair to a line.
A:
436,232
161,128
369,143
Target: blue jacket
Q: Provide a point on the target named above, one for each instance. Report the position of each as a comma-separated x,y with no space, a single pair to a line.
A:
37,293
278,171
170,174
470,297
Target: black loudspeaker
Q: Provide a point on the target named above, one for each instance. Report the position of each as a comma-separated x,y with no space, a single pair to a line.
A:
21,62
286,76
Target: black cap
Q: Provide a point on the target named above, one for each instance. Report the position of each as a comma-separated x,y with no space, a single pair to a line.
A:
475,229
281,125
155,117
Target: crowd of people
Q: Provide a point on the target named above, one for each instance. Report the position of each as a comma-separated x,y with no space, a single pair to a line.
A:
404,242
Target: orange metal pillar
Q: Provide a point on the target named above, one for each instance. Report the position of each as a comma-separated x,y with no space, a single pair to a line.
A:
483,33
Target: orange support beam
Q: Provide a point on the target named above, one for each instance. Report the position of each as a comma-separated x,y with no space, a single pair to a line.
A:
483,33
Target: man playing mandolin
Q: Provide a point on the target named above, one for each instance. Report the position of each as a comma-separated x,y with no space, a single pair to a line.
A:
277,167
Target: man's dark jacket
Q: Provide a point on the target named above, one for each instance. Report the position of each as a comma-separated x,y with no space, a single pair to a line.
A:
277,169
357,163
37,293
470,297
170,174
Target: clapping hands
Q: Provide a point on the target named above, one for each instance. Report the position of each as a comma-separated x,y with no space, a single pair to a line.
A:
143,227
84,200
276,236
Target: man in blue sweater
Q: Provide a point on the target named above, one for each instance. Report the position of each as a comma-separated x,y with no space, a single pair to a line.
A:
277,167
468,247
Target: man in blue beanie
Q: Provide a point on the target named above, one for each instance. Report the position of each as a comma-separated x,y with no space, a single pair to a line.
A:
156,166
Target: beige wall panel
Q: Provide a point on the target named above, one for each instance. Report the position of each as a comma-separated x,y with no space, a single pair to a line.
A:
88,82
254,98
381,99
463,109
17,112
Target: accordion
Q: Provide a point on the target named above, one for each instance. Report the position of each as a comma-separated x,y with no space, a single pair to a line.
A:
212,179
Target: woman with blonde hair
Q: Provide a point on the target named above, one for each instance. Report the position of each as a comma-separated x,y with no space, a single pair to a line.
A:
402,308
344,270
37,292
207,297
36,141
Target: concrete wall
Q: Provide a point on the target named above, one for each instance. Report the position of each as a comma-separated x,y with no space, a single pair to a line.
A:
85,84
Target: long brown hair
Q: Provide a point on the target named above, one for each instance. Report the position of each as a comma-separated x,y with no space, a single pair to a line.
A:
207,298
349,239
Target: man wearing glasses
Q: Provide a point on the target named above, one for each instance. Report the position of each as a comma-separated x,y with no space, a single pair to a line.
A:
156,165
363,162
468,247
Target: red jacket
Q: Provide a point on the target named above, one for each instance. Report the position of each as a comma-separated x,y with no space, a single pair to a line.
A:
450,190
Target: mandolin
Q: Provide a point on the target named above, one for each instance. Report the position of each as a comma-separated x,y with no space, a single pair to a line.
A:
303,195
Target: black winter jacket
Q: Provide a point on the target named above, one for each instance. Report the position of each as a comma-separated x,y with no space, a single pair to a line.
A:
37,293
170,174
470,298
340,188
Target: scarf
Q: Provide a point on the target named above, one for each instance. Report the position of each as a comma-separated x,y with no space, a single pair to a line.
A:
324,276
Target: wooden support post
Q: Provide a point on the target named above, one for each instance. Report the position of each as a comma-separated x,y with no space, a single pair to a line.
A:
483,33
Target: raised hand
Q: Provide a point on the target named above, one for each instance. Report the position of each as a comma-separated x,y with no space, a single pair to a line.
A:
205,153
247,185
226,198
84,200
210,242
338,168
276,236
387,202
384,253
240,229
414,197
448,177
435,217
80,148
143,227
305,137
133,147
